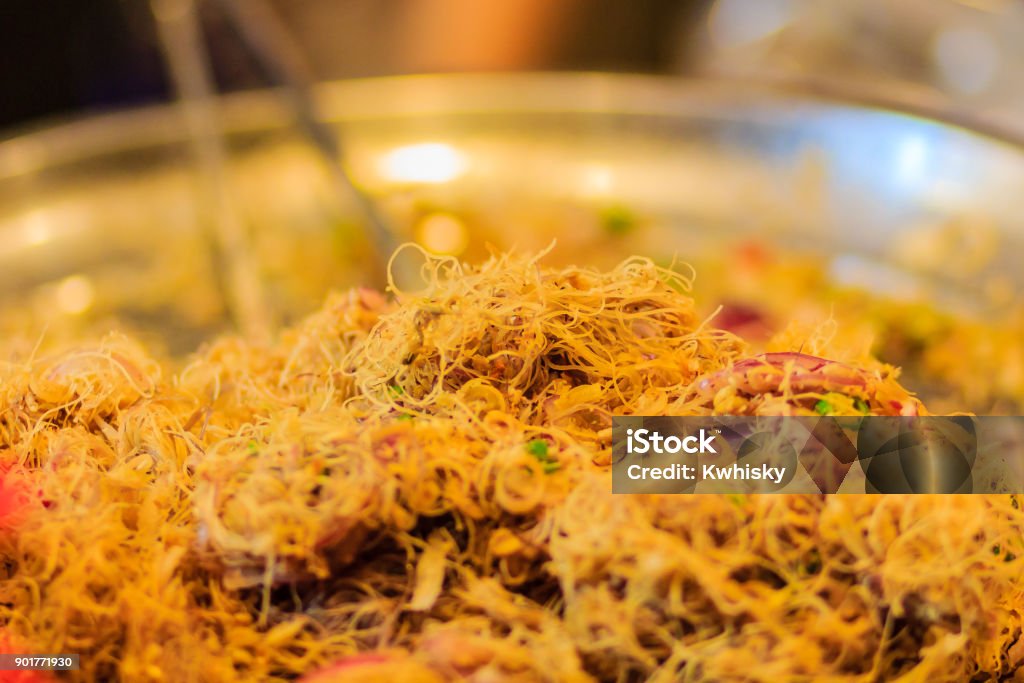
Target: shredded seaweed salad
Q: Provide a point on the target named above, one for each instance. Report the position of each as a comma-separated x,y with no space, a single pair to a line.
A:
415,486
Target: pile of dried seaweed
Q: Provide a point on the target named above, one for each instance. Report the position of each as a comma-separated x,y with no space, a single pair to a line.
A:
417,489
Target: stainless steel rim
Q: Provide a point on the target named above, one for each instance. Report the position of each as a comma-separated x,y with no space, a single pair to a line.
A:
81,138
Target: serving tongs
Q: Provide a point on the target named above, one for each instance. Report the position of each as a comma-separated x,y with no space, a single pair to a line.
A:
269,44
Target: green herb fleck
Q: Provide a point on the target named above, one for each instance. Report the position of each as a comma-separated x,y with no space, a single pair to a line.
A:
538,448
405,417
618,220
253,447
395,390
997,550
823,407
813,565
861,405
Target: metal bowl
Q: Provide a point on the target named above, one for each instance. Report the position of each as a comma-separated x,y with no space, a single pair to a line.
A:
100,223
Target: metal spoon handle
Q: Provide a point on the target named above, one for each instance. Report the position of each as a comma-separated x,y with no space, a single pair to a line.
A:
235,261
270,44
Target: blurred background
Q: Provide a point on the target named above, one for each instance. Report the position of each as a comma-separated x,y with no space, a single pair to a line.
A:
830,223
67,56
